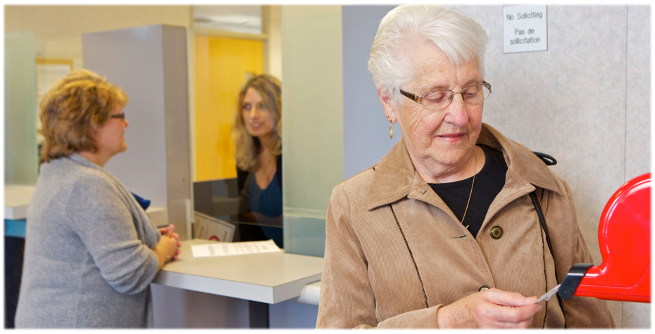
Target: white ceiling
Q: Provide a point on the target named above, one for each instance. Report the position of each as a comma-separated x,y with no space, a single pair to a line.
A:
243,19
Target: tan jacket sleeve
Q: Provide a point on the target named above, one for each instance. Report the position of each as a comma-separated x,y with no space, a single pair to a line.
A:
579,312
347,300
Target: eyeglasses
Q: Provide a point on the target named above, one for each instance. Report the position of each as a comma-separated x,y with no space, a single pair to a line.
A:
121,116
437,100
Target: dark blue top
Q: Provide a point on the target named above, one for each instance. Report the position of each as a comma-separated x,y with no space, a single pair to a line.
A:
266,201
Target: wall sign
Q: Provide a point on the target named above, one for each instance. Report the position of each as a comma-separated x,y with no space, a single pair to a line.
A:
526,28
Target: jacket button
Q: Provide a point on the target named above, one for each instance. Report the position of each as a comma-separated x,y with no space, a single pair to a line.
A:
484,287
496,232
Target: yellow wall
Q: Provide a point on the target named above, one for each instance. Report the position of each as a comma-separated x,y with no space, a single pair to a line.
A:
221,67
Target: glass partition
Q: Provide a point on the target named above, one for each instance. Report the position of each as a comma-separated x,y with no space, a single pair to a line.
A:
21,153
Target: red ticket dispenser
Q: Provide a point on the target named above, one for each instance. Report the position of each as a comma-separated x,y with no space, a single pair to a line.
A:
624,240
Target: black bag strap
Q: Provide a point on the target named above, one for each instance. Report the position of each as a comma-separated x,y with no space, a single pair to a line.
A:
549,161
542,221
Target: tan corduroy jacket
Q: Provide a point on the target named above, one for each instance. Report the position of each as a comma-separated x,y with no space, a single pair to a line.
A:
395,252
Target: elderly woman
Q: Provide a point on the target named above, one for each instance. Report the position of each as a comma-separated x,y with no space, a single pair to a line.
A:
91,251
257,129
442,232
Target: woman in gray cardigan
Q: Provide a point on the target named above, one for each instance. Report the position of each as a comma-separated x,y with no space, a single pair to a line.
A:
91,251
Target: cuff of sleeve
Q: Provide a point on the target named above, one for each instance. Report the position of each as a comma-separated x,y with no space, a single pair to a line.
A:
425,318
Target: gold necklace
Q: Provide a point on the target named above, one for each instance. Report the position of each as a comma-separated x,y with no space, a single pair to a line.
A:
472,184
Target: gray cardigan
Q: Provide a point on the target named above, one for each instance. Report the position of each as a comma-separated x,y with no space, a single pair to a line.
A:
88,251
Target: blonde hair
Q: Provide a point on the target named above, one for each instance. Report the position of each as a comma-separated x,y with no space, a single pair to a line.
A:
72,111
249,147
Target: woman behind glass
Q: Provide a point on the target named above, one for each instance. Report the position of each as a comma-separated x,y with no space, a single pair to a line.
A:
257,133
91,251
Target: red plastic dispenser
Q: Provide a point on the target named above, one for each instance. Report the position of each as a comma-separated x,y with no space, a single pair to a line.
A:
624,240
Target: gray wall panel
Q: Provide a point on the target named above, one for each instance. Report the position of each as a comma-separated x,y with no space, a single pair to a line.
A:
149,64
178,152
365,128
132,59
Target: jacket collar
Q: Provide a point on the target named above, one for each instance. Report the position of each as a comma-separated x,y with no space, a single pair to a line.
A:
83,161
395,177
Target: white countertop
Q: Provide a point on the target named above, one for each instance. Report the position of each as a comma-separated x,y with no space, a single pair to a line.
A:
16,200
268,278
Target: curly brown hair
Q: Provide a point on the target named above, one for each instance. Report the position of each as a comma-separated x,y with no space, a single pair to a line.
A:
72,111
249,147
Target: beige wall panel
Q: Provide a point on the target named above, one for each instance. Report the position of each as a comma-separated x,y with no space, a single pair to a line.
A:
273,45
54,22
569,101
58,29
638,110
638,104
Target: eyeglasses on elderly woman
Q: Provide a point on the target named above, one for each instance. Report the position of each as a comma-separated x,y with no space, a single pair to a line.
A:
440,99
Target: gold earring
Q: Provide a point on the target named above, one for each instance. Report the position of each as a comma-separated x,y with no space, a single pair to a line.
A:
390,128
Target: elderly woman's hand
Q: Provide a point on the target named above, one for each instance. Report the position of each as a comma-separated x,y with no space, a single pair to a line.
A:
491,308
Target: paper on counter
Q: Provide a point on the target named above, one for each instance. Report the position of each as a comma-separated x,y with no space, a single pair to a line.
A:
234,248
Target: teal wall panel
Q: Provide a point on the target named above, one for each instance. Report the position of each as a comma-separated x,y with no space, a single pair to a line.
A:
15,228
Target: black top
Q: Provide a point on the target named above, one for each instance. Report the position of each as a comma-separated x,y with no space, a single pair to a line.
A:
488,183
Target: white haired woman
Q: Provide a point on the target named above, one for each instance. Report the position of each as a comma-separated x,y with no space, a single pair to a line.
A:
90,249
442,232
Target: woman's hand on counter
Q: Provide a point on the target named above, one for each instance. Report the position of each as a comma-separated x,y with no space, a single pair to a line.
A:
169,231
167,249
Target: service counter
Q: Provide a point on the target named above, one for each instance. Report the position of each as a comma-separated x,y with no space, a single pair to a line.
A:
274,290
267,278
